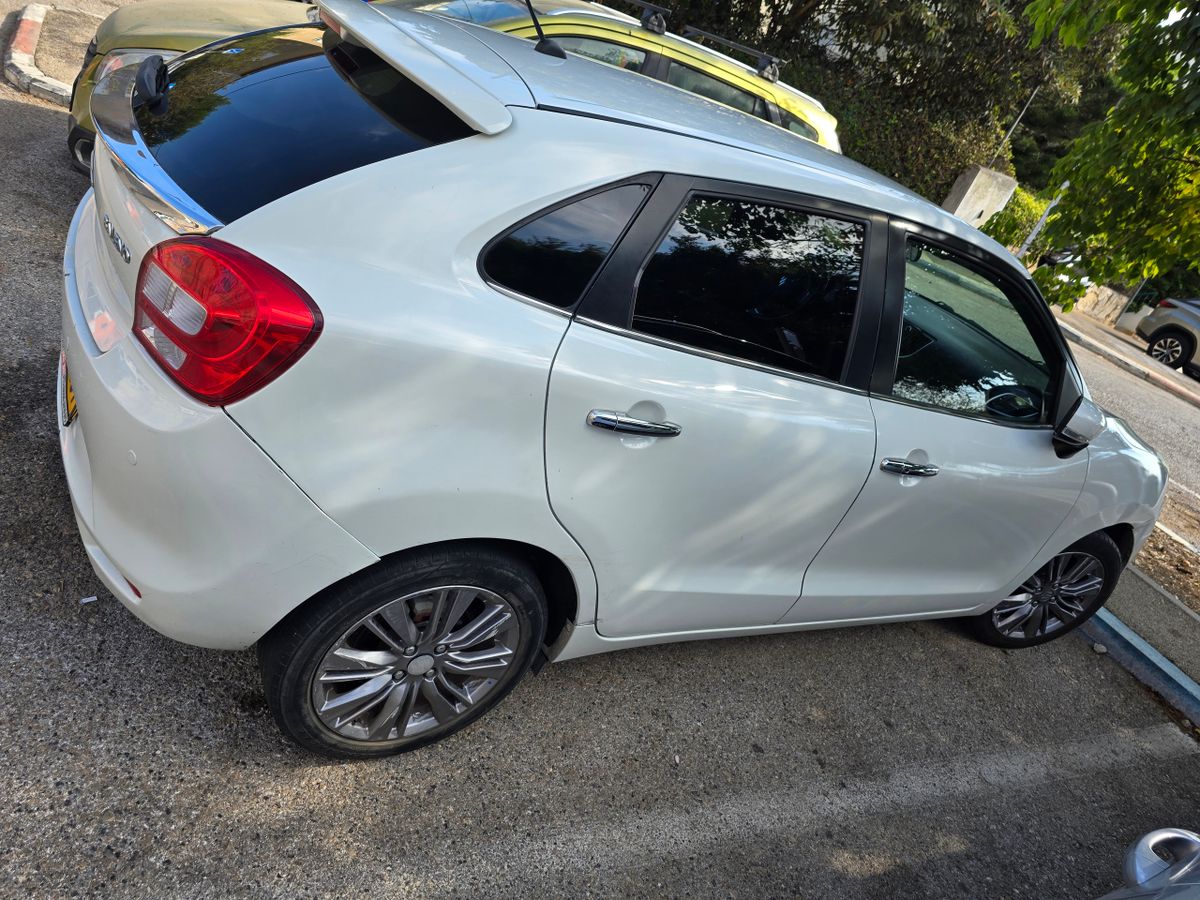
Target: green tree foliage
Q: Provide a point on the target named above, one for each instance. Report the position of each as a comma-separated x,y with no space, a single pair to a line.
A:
1052,123
1133,207
1014,223
921,88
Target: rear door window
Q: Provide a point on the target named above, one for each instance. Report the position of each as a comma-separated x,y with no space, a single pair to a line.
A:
764,283
554,256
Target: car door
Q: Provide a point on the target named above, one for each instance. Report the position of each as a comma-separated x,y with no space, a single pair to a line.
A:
967,486
707,424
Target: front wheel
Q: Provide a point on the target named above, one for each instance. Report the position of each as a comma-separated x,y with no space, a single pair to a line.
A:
1060,596
404,655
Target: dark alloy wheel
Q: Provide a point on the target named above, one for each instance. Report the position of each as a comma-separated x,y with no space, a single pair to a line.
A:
405,655
1060,596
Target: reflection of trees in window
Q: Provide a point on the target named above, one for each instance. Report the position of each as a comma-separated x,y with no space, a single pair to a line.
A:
196,92
765,283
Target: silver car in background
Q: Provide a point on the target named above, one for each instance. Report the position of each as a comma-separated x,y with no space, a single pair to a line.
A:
1172,332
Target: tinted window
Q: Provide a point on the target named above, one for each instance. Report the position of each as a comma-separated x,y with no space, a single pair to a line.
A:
796,125
267,114
553,257
763,283
605,51
964,346
714,89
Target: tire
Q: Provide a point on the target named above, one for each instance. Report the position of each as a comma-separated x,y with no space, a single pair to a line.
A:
394,631
1003,626
1171,347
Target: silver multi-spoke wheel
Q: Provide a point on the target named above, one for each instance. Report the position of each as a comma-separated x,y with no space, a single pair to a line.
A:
417,663
1059,594
1167,350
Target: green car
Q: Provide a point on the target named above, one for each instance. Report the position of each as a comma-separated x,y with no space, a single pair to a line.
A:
172,27
167,28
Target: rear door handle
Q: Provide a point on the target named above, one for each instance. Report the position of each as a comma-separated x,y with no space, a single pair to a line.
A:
610,420
904,467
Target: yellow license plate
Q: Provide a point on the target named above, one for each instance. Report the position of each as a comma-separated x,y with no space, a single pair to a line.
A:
69,407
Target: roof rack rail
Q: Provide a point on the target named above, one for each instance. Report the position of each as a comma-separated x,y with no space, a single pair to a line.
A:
654,17
766,65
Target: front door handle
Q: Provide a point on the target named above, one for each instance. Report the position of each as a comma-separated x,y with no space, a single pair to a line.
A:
904,467
610,420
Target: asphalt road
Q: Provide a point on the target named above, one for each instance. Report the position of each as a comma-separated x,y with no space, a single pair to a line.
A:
902,761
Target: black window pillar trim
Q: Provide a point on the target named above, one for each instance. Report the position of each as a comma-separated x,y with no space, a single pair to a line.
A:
610,298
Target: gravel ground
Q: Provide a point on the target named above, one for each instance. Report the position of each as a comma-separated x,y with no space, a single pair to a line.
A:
902,761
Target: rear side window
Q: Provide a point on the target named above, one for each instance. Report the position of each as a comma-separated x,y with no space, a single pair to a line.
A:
696,82
796,125
554,257
767,284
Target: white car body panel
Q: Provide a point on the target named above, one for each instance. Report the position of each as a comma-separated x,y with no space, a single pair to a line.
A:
714,527
171,496
952,543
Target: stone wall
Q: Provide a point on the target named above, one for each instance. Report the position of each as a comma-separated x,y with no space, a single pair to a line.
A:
1103,303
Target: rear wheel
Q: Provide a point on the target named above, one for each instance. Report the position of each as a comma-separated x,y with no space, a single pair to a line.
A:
1171,348
405,654
1060,596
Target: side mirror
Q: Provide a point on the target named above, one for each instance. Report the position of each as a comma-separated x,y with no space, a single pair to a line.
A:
1169,857
1078,428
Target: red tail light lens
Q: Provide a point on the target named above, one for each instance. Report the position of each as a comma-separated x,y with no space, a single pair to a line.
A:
221,322
1165,304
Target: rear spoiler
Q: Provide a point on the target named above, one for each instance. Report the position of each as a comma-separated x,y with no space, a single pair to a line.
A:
396,37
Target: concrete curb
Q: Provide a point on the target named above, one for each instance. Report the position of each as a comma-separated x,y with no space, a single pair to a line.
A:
20,66
1129,365
1129,650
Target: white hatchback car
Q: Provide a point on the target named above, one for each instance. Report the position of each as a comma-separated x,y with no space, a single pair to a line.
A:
419,357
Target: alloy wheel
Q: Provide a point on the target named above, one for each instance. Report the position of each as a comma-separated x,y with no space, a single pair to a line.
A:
416,664
1167,350
1055,597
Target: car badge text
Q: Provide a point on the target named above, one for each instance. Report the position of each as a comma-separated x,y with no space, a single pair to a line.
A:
115,238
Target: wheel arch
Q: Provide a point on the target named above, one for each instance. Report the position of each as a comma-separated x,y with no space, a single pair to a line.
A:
1123,536
558,583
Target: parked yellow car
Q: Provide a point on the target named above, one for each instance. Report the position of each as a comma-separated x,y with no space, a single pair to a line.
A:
168,28
172,27
644,46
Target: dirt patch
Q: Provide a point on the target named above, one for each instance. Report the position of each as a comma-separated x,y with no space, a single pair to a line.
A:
65,36
1173,566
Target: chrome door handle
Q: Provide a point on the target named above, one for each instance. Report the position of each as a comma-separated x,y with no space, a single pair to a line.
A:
904,467
610,420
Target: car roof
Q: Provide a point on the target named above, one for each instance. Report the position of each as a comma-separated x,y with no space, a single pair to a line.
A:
583,87
506,14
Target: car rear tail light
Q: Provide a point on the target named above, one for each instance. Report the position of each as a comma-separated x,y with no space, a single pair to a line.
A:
1165,304
221,322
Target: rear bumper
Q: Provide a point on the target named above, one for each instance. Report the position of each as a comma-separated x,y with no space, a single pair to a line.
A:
173,497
